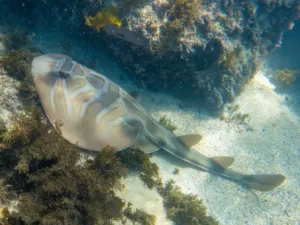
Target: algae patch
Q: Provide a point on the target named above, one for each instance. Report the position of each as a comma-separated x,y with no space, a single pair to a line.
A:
139,216
17,63
166,122
181,208
54,187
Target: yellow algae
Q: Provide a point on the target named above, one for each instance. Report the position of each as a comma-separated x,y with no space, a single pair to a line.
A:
105,16
285,76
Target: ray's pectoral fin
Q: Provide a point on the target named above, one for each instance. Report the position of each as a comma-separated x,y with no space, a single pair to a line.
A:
145,146
224,161
148,147
190,139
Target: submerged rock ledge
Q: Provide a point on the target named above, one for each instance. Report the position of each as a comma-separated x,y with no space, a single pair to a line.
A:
204,50
193,49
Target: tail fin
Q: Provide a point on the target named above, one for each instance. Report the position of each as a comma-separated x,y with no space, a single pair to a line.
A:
263,182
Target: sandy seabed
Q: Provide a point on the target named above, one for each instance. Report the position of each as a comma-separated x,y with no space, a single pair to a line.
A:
272,146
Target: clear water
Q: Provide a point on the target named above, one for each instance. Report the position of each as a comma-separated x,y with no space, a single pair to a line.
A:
266,141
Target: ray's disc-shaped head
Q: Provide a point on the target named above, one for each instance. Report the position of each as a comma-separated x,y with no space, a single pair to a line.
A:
47,65
89,105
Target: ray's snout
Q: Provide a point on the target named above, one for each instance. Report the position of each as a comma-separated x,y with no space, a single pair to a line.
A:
42,65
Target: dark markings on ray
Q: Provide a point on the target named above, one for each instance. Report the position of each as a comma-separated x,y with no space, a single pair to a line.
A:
64,72
78,71
97,83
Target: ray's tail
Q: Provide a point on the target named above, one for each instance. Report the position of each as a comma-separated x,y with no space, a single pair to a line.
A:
219,166
263,182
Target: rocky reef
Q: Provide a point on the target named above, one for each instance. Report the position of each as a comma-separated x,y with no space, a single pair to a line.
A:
193,49
204,50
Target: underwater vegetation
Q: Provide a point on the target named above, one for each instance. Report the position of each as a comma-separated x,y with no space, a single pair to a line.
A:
176,171
285,76
138,160
167,123
15,40
139,216
55,185
5,218
181,208
231,114
184,209
17,63
104,16
181,14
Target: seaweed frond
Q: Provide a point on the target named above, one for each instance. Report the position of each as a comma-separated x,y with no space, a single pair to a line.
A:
17,63
16,39
184,209
167,123
285,76
139,216
109,166
103,17
56,187
137,159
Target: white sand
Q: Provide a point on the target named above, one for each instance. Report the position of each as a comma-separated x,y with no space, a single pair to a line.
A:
273,147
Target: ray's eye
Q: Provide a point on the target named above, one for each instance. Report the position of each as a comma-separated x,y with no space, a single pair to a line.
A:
64,74
66,69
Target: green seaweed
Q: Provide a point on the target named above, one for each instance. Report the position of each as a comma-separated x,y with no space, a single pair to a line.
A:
185,10
285,76
139,216
232,115
138,160
176,171
16,39
3,129
109,166
182,13
167,123
55,185
6,217
184,209
24,129
17,63
181,208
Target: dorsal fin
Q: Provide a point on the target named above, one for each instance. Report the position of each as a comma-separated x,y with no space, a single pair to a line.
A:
190,139
224,161
136,95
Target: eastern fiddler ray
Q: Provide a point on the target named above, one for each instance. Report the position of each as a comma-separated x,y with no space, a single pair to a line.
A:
96,112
